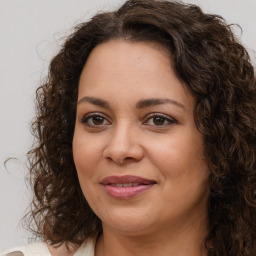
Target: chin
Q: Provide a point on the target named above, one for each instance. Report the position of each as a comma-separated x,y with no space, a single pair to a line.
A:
130,223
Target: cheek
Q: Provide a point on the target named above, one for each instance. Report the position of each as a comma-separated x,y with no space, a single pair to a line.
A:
183,172
85,160
86,154
180,161
182,149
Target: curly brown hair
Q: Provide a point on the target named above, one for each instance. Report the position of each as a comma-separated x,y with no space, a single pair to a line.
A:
217,70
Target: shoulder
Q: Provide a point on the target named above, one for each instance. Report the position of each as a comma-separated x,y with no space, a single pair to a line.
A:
42,249
87,248
62,250
33,249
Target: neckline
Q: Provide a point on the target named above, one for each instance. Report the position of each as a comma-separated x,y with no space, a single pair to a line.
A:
87,248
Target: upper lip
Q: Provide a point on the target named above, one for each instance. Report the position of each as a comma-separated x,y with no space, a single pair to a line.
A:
126,179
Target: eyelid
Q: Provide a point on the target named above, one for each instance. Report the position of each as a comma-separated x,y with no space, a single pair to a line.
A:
166,117
93,114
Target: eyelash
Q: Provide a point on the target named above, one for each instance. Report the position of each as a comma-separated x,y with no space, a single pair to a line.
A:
164,117
85,120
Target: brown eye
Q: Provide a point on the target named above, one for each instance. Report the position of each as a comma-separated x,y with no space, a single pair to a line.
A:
97,120
159,120
94,120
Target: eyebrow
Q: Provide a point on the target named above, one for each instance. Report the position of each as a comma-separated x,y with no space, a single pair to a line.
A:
94,101
144,103
153,102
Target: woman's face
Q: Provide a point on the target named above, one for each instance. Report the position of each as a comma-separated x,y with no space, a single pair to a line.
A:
138,154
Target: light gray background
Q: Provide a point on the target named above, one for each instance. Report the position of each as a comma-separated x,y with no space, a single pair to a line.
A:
30,32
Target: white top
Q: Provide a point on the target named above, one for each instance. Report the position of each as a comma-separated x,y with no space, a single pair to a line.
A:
41,249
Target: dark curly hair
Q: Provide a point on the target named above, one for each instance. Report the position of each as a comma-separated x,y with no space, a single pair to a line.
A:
217,70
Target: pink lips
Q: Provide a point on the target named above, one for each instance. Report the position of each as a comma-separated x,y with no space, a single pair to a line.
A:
125,187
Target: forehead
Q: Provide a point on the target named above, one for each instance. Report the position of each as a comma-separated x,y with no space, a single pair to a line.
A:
119,51
122,67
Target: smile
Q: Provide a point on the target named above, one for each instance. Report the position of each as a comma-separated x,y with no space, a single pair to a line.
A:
125,187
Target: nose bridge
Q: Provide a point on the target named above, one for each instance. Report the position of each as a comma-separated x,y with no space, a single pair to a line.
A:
123,143
123,134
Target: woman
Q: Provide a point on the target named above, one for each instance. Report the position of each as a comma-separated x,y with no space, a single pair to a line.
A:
146,131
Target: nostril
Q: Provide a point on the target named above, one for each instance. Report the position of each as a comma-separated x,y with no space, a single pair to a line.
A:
129,158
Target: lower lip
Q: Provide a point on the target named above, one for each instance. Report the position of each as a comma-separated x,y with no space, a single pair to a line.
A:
126,192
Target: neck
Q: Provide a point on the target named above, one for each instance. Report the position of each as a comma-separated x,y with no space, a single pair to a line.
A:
185,240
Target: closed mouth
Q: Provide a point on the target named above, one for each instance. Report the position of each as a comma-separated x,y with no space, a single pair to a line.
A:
126,181
126,187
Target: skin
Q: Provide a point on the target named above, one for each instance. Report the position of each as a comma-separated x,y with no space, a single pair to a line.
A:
121,139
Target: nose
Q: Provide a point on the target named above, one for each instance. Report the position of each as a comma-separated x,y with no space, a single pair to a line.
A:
123,145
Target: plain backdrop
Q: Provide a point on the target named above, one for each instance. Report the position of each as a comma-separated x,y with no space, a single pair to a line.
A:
30,34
